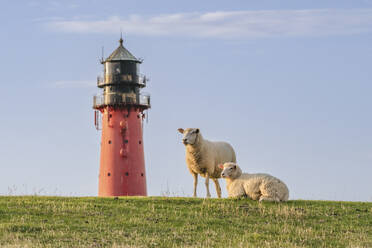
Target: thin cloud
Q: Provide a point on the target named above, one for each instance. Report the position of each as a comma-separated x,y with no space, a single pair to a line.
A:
230,24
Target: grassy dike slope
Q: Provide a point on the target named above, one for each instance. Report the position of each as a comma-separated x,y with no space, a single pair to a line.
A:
34,221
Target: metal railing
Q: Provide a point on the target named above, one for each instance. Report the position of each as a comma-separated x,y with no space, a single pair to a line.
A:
100,81
144,99
141,100
98,100
140,79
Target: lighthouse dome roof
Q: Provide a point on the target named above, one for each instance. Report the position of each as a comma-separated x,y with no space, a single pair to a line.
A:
121,53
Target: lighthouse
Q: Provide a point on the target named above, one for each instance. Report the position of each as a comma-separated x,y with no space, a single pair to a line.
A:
119,114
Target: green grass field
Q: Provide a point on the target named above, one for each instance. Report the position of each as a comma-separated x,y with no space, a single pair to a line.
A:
34,221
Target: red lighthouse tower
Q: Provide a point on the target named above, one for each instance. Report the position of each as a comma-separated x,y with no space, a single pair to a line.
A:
119,110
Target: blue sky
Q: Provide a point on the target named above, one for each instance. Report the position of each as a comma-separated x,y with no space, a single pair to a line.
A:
287,83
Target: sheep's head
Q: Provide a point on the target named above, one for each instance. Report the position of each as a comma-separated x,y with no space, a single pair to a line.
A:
230,170
190,135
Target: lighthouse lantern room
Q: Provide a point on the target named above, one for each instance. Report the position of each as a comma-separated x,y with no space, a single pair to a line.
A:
119,113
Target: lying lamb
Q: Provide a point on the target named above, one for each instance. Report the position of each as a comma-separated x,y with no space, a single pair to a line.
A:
262,187
203,157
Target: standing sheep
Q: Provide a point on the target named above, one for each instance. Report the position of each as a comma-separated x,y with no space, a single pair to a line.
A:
203,157
262,187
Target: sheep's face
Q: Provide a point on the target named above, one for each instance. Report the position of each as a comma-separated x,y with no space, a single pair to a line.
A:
230,170
190,135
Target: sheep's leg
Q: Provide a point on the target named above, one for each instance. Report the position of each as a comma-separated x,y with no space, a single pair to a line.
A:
218,188
207,185
195,175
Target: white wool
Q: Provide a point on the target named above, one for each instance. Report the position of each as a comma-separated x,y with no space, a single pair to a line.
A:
203,157
262,187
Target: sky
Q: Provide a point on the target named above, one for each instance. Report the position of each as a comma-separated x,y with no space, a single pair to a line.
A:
287,83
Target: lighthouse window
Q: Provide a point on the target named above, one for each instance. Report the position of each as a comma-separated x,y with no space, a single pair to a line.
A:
108,174
112,68
126,173
109,141
127,77
140,142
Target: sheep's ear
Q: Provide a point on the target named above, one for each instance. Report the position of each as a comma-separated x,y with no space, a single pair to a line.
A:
181,130
197,130
221,166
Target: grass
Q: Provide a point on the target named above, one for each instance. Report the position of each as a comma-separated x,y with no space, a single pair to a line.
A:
34,221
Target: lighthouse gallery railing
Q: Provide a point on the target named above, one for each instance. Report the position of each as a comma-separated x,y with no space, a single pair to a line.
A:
139,79
116,99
